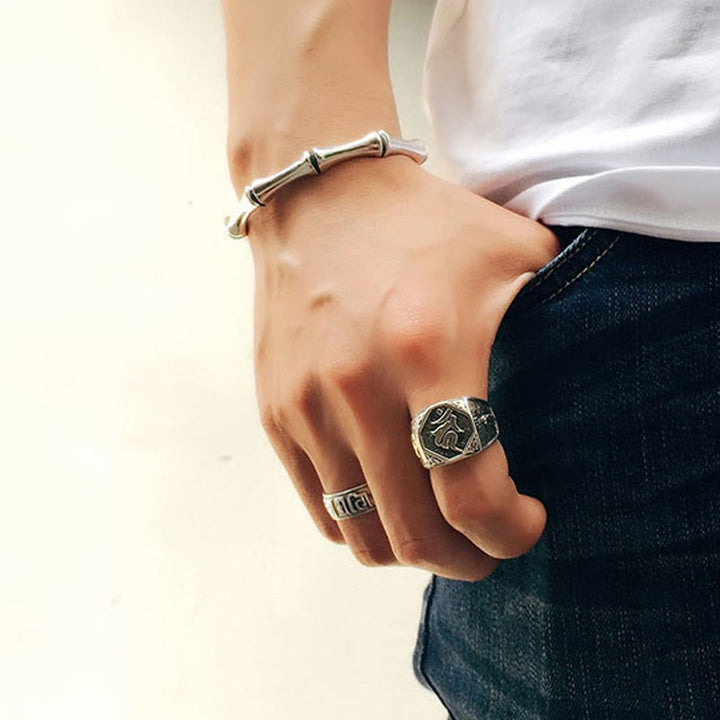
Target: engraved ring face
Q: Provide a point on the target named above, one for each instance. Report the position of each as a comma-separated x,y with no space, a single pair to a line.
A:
452,430
349,503
446,431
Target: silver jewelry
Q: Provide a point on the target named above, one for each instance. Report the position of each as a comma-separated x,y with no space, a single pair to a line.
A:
314,162
349,503
452,430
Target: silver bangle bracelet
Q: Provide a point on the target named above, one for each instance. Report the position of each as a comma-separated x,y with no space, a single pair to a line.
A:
314,162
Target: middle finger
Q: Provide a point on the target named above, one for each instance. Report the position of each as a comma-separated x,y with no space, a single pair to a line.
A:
417,531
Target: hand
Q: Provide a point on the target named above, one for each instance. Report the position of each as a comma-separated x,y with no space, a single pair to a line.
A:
379,290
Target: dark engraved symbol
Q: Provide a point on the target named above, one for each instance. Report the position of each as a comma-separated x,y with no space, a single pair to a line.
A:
448,432
351,503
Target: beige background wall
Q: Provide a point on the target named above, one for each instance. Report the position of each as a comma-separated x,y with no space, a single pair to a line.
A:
154,561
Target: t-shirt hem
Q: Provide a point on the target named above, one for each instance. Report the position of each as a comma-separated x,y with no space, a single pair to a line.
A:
696,234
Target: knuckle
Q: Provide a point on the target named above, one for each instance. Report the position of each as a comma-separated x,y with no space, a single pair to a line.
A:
374,556
269,419
418,552
303,398
331,532
463,509
417,341
349,375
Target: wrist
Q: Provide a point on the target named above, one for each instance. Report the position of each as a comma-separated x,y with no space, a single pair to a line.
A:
267,148
303,74
315,207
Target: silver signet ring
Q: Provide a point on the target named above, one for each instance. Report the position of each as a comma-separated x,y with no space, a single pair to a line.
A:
452,430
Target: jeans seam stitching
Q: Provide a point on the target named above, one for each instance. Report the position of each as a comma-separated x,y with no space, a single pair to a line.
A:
589,235
578,275
424,645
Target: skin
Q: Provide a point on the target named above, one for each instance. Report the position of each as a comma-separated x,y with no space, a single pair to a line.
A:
379,289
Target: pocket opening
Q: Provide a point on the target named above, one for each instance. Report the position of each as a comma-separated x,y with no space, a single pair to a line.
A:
581,249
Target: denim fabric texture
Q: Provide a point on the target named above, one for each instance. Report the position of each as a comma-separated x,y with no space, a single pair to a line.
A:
605,378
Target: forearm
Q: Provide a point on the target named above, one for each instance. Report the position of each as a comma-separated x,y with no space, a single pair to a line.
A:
303,73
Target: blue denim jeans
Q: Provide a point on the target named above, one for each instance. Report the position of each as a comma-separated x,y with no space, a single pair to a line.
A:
605,378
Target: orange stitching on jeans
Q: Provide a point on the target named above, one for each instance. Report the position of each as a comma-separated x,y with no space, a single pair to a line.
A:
583,271
589,234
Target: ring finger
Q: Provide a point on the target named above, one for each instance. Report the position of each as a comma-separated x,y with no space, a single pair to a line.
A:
338,470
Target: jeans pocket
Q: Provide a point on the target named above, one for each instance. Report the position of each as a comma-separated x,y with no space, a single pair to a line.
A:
585,249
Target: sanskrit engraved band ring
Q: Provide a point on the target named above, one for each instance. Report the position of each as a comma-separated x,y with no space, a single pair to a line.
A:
453,430
349,503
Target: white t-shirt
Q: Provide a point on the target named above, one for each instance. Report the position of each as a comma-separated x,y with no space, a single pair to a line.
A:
582,112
